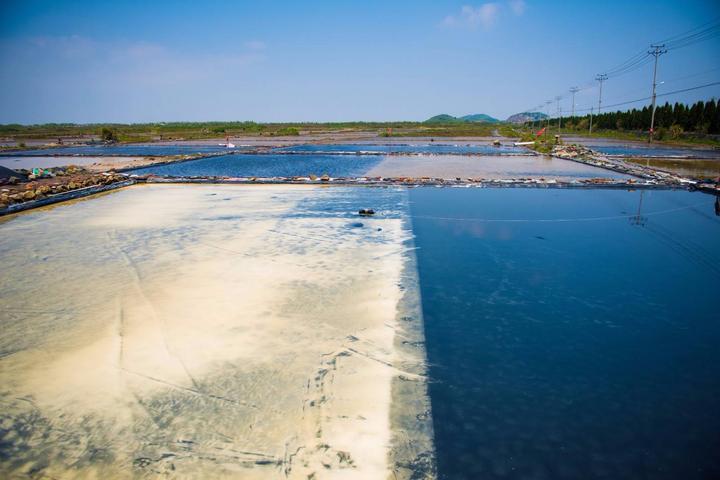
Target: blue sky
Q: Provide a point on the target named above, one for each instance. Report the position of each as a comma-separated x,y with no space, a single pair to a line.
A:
133,61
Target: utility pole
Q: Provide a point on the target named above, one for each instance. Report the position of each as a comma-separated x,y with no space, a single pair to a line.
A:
600,78
591,112
559,113
547,108
656,51
573,90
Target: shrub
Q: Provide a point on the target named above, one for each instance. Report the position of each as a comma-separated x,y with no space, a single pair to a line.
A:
288,131
108,135
675,131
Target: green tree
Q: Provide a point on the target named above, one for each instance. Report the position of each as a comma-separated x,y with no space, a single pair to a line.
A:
108,135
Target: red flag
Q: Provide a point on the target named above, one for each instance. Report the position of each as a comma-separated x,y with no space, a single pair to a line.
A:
540,132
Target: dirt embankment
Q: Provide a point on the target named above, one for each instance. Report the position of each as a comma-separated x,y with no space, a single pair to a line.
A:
18,189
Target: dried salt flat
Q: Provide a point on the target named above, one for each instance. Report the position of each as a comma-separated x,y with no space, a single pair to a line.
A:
210,332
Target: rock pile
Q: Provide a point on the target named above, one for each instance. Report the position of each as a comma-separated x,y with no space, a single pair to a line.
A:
37,190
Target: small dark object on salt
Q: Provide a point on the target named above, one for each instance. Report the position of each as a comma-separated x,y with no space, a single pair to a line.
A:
366,211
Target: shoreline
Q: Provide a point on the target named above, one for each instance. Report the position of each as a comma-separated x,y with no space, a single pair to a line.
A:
412,456
364,182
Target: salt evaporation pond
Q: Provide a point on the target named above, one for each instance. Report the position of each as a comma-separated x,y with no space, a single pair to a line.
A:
123,150
240,330
656,151
571,333
430,148
436,166
209,331
267,165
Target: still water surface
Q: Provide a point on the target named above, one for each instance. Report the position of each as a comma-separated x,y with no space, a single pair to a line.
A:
436,166
268,165
569,338
656,151
407,148
130,150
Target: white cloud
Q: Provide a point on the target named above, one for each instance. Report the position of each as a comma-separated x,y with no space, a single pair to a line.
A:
124,65
472,17
517,6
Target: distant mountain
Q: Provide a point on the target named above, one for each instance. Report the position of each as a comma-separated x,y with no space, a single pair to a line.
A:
442,118
526,117
479,117
476,117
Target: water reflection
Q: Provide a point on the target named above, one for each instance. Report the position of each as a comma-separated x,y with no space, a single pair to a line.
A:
656,151
269,165
433,148
437,166
571,334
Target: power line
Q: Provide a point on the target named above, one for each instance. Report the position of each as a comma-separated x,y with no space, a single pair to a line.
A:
573,90
649,98
701,33
632,67
698,34
586,106
688,32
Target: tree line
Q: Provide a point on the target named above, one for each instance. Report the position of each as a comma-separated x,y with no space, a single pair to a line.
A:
702,117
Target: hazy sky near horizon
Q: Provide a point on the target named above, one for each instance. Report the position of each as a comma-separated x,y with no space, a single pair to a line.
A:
133,61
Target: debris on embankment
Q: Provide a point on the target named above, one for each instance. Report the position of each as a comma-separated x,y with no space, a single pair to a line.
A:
41,184
587,156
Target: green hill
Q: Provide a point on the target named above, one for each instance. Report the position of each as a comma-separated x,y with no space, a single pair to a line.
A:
442,118
476,117
479,117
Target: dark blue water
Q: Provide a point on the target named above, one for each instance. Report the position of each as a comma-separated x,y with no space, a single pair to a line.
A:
627,151
128,150
568,339
432,148
268,166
